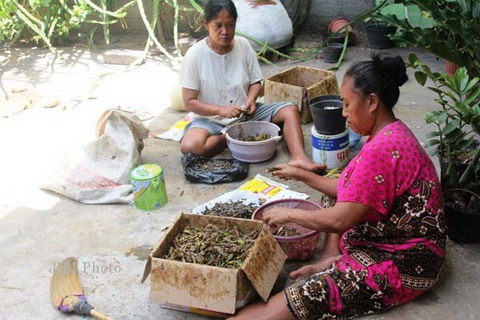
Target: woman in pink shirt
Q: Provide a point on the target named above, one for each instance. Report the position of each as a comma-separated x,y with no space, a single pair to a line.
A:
385,236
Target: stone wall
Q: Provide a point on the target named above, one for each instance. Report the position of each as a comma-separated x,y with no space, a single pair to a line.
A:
320,15
133,18
136,25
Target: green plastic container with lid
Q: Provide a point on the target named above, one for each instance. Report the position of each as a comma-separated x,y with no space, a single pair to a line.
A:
148,187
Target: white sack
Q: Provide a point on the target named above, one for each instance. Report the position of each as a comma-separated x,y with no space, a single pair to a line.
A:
266,22
98,173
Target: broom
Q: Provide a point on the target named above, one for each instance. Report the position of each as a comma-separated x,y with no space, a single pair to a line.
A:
66,291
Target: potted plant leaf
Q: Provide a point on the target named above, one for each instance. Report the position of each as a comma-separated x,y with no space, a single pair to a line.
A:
455,140
448,29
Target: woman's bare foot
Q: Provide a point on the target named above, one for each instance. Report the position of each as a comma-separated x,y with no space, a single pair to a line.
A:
307,164
331,253
320,265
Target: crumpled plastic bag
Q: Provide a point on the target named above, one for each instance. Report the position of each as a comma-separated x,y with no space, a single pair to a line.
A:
238,172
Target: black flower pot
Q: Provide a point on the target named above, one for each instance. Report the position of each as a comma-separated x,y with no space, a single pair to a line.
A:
377,35
463,225
462,211
338,38
327,114
332,52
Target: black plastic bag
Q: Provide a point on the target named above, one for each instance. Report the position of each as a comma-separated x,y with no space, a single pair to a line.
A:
236,170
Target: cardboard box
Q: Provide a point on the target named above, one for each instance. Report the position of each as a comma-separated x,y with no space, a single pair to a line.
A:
300,85
212,290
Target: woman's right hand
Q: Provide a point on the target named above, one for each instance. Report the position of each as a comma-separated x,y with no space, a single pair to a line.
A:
230,111
276,216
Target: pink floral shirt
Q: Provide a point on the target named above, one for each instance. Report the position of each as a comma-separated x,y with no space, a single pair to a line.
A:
403,235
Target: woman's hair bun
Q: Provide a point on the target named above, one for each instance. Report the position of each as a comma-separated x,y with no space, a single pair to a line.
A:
394,67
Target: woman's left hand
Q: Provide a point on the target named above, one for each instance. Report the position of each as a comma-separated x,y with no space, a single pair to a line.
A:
285,170
276,216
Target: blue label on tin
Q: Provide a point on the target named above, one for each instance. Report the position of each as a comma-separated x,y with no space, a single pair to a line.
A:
330,144
139,185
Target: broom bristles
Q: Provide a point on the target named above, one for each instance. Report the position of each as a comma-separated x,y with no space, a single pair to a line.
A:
65,286
66,291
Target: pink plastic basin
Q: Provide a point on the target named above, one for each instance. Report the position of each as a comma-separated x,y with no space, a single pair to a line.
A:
299,247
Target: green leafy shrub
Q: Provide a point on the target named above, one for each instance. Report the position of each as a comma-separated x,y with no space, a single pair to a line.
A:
456,137
449,29
48,21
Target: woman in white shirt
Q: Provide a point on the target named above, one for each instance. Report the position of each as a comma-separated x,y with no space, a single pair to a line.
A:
221,81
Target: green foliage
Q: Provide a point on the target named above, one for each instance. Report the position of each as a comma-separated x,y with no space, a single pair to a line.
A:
447,28
456,138
403,11
8,21
48,21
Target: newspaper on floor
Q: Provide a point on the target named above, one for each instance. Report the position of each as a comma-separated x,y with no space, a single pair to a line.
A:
175,132
259,189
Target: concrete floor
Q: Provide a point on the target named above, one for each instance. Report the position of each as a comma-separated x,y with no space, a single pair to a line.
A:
39,229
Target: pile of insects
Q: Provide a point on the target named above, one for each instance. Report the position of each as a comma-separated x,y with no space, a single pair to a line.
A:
214,246
235,209
287,232
258,137
212,164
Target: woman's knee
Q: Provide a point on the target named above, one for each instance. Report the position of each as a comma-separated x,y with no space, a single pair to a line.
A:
292,110
192,146
287,113
202,143
194,141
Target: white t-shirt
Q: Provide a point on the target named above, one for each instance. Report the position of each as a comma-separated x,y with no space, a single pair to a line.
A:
221,79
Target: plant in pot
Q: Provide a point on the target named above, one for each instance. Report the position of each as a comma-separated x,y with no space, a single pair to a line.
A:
378,34
449,29
455,141
377,29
